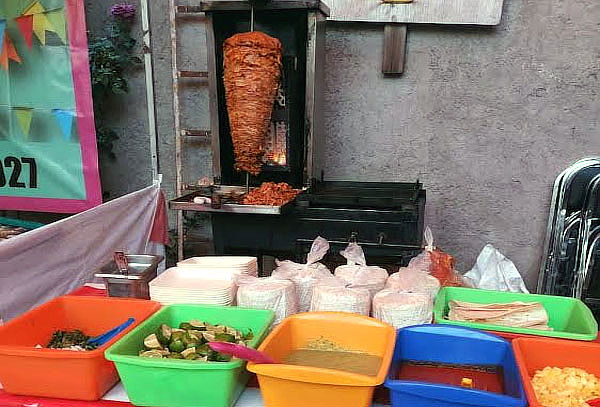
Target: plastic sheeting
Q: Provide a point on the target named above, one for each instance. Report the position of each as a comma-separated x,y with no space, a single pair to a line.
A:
402,309
305,276
55,259
357,274
268,293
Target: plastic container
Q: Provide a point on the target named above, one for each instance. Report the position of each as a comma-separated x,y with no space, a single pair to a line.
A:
509,336
142,268
28,371
186,383
536,353
302,386
569,318
444,344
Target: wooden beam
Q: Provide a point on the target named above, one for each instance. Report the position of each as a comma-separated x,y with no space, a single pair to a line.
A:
394,49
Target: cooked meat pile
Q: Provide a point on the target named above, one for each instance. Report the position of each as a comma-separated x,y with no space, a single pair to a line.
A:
252,69
272,194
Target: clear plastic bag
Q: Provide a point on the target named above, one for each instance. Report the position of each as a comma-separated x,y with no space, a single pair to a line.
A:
437,263
402,309
357,274
304,276
269,293
413,280
333,294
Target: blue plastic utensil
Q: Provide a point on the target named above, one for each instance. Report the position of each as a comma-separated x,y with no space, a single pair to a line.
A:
107,336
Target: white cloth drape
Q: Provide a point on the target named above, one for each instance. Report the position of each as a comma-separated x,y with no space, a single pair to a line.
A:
57,258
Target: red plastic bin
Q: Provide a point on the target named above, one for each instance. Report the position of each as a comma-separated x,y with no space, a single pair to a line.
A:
30,371
534,354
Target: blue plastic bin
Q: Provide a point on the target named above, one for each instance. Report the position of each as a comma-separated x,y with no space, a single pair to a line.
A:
459,346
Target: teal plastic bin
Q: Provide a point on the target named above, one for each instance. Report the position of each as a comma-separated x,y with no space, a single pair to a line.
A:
186,383
569,318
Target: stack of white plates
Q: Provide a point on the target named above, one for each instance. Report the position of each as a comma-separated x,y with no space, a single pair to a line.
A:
221,267
179,285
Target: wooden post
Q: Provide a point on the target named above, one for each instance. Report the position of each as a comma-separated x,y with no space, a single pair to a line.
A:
394,49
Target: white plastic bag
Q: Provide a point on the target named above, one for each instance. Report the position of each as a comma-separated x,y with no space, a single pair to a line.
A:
304,276
332,294
402,309
493,271
411,280
357,274
269,293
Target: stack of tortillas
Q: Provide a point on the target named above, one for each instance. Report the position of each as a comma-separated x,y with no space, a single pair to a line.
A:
269,293
402,309
333,294
516,314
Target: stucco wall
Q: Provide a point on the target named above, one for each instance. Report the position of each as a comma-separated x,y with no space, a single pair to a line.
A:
132,168
484,117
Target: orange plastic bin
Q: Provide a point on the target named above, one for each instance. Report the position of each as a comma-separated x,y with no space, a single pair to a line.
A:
301,386
29,371
534,354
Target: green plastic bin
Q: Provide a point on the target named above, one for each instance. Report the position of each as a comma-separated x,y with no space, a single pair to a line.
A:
569,318
186,383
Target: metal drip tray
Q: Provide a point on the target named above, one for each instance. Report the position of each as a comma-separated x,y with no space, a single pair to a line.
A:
230,202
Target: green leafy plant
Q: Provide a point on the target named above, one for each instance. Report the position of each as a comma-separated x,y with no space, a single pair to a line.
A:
111,56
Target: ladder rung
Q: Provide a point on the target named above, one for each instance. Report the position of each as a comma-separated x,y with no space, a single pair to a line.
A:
195,133
193,74
189,9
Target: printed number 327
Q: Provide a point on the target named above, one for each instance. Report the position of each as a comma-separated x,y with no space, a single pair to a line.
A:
16,165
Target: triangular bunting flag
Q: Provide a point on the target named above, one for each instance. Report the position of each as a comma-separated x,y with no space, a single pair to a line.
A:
2,28
57,21
11,50
4,59
34,8
65,121
4,52
24,115
41,24
25,24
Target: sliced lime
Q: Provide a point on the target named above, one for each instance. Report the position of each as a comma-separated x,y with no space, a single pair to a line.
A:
177,346
185,326
163,334
198,325
223,337
151,342
152,354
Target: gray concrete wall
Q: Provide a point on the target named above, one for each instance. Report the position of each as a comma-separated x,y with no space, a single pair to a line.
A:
132,168
485,117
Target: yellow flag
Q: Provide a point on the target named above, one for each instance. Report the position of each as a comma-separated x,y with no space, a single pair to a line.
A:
24,115
35,8
41,24
57,22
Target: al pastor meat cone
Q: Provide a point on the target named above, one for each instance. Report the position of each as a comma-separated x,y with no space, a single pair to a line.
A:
252,70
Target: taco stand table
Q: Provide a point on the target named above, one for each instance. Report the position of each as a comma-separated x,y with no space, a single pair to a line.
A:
116,397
